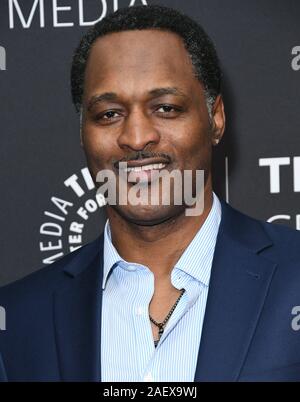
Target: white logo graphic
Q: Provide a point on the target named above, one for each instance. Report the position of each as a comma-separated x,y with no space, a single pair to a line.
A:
60,14
66,218
275,164
285,218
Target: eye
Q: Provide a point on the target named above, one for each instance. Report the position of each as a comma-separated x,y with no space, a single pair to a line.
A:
168,110
109,116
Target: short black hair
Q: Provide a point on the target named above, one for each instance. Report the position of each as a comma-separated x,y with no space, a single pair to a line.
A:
197,43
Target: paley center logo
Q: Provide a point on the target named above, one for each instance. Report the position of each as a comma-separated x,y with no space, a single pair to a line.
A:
132,185
275,165
22,12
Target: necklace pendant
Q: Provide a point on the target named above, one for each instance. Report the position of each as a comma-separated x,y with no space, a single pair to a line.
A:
161,331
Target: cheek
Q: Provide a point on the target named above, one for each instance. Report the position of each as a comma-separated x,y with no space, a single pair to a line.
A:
193,143
98,147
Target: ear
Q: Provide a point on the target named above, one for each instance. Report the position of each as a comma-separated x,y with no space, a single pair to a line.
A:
218,120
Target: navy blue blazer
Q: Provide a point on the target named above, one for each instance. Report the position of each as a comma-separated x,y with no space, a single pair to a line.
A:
53,316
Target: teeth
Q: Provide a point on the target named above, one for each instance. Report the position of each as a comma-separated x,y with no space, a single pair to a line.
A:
145,167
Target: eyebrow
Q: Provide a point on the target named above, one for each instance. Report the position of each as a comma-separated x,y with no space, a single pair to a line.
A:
107,96
166,91
154,93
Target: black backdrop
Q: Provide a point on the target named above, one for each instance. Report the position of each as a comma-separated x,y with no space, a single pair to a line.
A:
43,170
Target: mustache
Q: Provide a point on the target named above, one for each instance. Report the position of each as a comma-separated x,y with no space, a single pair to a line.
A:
140,155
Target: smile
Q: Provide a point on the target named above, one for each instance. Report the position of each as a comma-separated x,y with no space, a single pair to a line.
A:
155,166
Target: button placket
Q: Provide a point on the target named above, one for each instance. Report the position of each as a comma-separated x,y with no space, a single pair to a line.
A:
144,293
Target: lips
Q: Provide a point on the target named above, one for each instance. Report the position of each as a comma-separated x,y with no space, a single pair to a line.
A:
143,171
153,166
147,161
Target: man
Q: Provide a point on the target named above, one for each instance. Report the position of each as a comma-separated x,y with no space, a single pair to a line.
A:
160,296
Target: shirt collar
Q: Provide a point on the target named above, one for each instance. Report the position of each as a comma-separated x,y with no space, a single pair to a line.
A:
110,255
195,260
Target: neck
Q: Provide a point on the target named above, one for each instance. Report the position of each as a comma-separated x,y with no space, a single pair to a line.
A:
159,246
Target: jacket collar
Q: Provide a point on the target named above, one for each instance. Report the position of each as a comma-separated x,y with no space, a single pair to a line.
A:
77,316
239,283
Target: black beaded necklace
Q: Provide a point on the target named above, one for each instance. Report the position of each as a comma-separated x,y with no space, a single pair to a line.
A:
161,325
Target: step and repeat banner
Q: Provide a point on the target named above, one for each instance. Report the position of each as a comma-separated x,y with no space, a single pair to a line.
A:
48,205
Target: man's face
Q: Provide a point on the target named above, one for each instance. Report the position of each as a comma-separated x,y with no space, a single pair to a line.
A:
153,108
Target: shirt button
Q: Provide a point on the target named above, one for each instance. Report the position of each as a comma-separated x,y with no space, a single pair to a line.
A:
148,377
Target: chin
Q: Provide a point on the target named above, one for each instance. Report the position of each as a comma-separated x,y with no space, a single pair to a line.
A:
145,215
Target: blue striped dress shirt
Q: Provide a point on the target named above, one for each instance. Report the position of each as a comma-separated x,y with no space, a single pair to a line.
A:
127,345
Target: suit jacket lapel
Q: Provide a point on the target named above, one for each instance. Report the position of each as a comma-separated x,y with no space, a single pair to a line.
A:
77,316
239,283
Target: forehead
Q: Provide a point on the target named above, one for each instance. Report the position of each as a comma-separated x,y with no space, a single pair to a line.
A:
139,57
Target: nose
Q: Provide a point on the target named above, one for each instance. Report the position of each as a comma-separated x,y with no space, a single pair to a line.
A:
138,132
